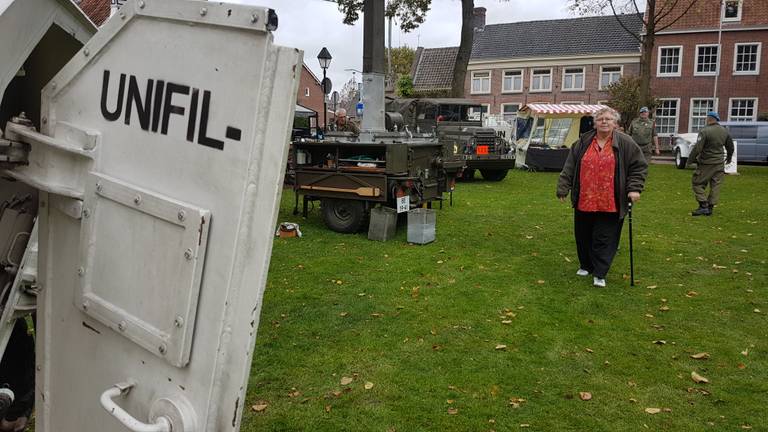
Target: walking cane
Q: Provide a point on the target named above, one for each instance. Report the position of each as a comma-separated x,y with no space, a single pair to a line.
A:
631,256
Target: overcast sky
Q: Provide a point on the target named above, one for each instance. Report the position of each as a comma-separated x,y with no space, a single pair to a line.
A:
311,24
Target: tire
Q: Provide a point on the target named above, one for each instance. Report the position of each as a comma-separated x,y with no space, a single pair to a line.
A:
467,175
343,215
494,175
680,161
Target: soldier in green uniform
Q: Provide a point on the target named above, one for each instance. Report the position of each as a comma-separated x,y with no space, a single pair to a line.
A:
643,131
343,124
710,169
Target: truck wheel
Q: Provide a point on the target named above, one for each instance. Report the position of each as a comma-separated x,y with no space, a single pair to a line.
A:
680,161
494,175
343,215
467,175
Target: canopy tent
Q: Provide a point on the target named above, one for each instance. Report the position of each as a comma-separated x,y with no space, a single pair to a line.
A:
564,109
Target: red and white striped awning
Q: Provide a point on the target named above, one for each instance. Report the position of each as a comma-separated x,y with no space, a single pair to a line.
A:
545,108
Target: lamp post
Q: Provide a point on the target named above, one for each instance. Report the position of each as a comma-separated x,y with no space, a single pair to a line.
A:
325,60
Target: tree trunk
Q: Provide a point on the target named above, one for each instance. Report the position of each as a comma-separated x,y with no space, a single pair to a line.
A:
465,48
649,43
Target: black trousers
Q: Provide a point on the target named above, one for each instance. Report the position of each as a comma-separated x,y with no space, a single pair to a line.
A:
597,238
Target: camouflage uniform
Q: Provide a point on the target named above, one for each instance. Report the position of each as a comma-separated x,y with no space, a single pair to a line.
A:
709,157
348,126
643,131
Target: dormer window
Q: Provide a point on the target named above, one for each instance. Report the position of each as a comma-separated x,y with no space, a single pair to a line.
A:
732,10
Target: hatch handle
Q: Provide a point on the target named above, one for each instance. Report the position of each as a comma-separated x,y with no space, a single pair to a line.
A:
161,424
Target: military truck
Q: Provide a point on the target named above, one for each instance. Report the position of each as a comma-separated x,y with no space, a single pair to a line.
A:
459,127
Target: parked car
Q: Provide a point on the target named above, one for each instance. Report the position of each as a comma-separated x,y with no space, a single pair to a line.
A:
751,141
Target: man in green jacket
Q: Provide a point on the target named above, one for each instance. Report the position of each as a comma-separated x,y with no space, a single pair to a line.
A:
710,169
643,131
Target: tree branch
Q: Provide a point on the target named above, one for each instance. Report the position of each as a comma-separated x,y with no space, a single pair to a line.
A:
693,2
660,16
615,15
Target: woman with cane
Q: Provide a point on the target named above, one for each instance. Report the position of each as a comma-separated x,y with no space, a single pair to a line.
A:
604,172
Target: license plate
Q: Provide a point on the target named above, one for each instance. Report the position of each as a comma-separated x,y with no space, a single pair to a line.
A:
482,150
403,204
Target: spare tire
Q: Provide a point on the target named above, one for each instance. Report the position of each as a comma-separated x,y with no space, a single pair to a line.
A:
343,215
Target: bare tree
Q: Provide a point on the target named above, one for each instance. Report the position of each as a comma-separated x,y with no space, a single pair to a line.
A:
658,16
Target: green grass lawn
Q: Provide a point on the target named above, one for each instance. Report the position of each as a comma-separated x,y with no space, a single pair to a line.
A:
422,323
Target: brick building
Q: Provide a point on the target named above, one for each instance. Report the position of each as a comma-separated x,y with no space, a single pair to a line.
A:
310,93
97,10
711,59
553,61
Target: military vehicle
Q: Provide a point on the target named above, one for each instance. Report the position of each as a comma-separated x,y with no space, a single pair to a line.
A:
139,193
386,163
459,127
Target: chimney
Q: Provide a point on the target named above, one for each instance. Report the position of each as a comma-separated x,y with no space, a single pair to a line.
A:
479,14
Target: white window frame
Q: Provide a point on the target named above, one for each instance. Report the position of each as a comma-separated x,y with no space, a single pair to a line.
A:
472,82
738,15
551,76
677,116
679,64
690,110
501,108
503,80
487,108
736,55
583,78
306,91
696,61
572,103
754,107
600,78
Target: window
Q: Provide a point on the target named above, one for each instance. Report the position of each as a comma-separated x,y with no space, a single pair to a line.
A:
609,74
670,58
707,59
572,103
732,10
573,79
541,80
476,113
602,102
746,59
306,91
666,116
481,82
699,110
509,111
513,81
742,109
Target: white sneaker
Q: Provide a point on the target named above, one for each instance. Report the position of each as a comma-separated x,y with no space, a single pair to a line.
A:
598,282
582,272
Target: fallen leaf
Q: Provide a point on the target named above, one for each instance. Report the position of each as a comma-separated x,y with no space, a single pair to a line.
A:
667,409
660,342
346,381
539,281
453,411
327,408
746,426
501,347
664,308
745,352
741,366
368,385
715,266
756,311
648,316
440,262
524,425
343,314
294,393
259,406
651,286
377,315
338,282
585,396
698,378
507,322
567,259
700,356
516,402
633,400
653,410
589,350
691,294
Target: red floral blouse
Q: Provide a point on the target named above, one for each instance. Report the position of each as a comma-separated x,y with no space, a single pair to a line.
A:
596,192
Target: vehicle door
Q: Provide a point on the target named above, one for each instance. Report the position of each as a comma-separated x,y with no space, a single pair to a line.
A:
159,186
761,145
746,137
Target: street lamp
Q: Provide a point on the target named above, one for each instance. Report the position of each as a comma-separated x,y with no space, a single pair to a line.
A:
325,60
